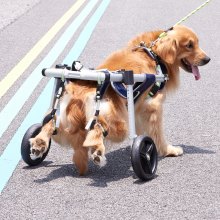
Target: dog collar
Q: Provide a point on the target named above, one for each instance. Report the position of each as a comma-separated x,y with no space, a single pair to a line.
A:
147,50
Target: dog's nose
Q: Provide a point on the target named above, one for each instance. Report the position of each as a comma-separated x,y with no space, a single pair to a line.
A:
205,60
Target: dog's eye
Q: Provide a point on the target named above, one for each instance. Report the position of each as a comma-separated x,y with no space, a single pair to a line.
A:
189,45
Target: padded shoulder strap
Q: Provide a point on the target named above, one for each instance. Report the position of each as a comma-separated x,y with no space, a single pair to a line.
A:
120,89
139,88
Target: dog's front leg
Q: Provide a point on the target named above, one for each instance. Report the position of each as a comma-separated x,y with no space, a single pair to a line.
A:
153,117
40,143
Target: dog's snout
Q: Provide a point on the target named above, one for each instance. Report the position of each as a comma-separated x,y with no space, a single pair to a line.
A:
205,60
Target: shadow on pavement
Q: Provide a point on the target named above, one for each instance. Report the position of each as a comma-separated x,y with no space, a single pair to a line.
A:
118,167
196,150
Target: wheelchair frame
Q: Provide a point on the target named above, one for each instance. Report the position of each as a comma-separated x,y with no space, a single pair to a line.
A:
143,153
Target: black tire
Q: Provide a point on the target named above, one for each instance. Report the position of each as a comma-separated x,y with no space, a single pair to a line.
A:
32,132
144,158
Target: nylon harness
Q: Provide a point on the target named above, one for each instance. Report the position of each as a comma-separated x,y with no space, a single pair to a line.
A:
140,88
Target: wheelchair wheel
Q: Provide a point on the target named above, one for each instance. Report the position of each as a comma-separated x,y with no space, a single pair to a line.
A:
144,158
32,132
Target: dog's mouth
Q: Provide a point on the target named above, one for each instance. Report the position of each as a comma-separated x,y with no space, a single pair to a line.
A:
191,68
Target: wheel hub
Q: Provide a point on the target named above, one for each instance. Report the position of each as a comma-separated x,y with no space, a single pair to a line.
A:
148,156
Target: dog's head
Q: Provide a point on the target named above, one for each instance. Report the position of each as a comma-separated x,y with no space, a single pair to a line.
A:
181,47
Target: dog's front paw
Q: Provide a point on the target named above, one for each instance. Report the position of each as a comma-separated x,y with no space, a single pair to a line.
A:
38,147
98,158
174,151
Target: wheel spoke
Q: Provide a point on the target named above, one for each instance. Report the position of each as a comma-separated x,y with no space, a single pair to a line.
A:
146,158
150,149
149,166
143,155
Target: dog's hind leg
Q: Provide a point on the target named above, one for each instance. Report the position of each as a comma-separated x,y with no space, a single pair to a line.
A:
40,143
94,141
80,158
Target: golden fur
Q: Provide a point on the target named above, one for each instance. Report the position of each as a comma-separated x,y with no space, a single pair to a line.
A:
77,105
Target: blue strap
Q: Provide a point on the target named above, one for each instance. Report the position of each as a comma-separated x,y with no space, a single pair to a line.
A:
139,88
120,89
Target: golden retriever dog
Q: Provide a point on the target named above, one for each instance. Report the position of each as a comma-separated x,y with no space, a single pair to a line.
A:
178,48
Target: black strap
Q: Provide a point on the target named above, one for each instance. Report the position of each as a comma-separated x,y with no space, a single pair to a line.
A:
151,54
148,51
156,87
105,84
100,91
59,92
48,117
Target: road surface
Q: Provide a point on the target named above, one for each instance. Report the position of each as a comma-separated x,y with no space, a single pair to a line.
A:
187,187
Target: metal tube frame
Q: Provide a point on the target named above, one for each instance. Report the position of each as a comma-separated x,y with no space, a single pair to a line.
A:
99,75
55,89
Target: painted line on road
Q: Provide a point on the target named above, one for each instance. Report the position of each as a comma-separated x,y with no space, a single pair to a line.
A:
11,156
19,69
12,108
86,33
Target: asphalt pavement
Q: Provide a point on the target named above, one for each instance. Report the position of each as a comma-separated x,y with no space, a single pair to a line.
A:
187,187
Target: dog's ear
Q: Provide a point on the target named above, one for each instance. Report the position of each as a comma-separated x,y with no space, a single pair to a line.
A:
167,50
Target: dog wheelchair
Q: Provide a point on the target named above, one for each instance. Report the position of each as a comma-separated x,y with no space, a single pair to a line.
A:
144,156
